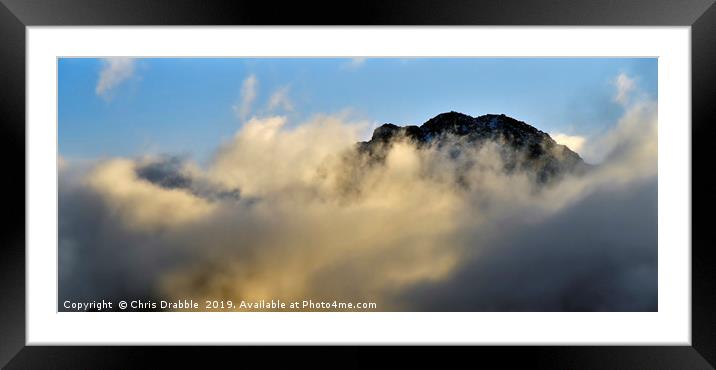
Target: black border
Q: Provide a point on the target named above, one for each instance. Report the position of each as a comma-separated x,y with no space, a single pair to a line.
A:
15,15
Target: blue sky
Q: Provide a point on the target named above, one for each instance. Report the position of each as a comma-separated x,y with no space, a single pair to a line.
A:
130,107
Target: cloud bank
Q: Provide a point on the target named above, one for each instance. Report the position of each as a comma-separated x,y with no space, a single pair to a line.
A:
295,212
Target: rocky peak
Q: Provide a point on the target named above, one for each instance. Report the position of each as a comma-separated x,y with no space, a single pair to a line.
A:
536,149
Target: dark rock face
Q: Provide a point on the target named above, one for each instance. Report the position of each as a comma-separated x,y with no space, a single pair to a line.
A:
166,172
522,147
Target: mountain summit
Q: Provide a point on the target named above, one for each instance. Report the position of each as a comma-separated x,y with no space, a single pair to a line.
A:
521,146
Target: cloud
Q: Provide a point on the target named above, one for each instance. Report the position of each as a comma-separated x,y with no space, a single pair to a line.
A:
248,95
573,142
114,72
598,254
355,62
143,204
634,136
637,123
280,100
296,211
625,86
256,160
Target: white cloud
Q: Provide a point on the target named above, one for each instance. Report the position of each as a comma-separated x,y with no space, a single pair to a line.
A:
280,100
354,63
573,142
265,156
625,86
142,204
634,137
632,142
248,95
114,72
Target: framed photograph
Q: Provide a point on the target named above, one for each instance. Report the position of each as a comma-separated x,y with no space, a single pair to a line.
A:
406,174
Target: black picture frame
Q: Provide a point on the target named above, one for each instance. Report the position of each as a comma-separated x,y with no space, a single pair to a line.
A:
16,15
